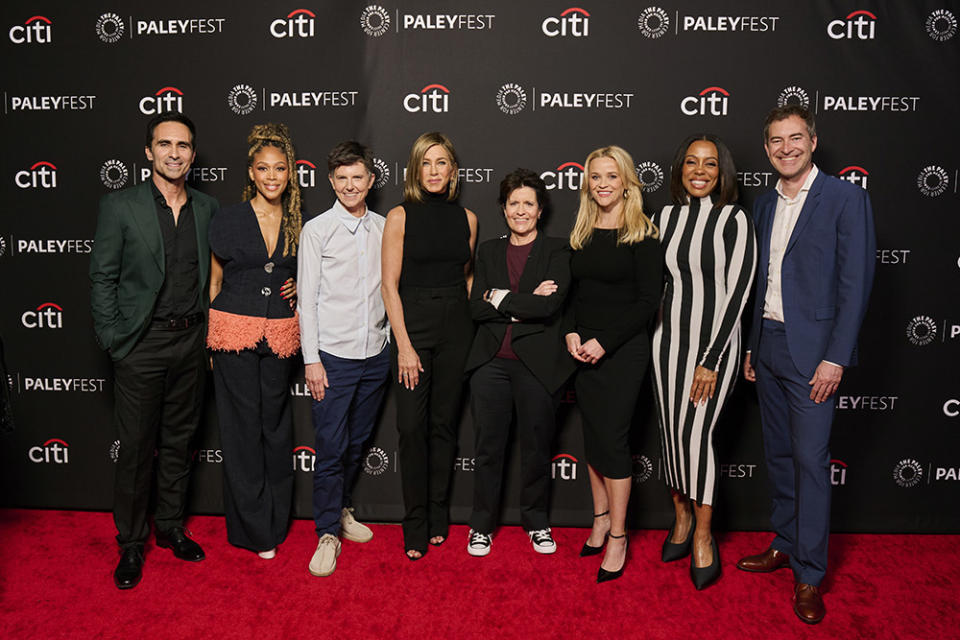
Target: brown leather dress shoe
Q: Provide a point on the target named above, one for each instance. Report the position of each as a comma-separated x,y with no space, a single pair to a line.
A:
769,560
808,603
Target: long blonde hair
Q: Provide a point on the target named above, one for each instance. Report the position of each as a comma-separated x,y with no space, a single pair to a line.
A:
412,189
277,135
635,225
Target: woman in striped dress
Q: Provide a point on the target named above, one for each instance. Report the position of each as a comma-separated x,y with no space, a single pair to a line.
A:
710,255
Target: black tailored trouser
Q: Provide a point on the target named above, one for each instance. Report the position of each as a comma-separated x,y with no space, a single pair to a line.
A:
496,388
428,416
158,396
256,434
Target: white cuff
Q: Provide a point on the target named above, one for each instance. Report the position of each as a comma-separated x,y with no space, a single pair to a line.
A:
497,296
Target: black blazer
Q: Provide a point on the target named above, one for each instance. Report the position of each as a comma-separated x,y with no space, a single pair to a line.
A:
536,338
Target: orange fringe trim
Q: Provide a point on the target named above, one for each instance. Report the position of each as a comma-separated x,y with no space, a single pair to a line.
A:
233,332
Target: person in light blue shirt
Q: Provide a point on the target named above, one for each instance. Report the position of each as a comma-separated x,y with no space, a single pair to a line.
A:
344,334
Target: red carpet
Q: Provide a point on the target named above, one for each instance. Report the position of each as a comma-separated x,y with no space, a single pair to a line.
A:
56,582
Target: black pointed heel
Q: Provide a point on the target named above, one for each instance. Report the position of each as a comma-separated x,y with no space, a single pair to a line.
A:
677,550
605,576
587,550
702,577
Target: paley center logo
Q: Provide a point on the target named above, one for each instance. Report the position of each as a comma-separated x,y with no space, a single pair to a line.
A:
567,176
242,99
653,22
35,30
376,462
382,170
299,23
48,315
907,473
642,468
511,98
933,180
375,20
164,99
921,330
854,175
563,466
40,175
53,451
858,25
712,101
794,95
573,22
110,28
651,176
433,98
114,174
941,25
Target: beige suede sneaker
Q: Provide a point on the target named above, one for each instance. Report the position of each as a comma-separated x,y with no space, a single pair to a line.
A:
324,559
352,530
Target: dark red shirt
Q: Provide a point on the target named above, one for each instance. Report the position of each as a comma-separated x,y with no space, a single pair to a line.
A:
516,261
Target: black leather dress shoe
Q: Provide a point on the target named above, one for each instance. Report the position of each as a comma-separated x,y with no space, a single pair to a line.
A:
130,568
183,547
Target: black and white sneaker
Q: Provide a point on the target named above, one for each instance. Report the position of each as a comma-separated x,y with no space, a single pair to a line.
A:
542,541
479,543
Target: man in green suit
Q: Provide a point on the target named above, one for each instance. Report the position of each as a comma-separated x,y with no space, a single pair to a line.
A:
148,294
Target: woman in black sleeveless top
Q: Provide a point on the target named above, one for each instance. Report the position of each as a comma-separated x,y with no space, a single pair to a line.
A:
427,273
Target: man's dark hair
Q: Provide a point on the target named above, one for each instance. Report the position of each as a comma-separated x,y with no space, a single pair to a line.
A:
348,153
171,116
726,190
519,178
786,111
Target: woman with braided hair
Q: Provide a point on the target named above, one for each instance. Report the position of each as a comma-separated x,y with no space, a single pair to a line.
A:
253,332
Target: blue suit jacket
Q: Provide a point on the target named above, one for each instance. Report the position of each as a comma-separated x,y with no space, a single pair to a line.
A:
827,272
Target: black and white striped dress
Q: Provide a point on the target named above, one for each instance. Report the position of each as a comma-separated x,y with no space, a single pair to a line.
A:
710,255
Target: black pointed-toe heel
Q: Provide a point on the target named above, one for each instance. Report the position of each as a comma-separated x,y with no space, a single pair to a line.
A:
587,550
677,550
702,577
605,576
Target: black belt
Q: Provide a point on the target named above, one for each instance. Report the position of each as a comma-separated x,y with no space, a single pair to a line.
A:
178,324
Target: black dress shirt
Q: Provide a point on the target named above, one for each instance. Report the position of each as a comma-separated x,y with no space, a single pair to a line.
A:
180,294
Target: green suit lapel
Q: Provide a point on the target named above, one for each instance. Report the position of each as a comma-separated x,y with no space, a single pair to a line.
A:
145,217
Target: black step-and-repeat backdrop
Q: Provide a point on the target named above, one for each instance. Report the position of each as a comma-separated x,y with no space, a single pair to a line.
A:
536,85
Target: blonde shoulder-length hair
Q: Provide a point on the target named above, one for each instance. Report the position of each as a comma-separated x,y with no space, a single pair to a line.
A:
412,189
635,226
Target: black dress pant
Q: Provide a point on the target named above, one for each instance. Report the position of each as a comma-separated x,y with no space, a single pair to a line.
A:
158,396
256,435
440,328
495,389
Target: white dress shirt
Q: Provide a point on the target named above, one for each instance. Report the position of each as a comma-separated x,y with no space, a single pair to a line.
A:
338,268
784,220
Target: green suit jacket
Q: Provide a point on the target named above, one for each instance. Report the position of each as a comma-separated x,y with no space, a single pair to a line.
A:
127,264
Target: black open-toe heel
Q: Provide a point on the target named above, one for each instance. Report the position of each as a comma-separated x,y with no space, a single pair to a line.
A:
677,550
602,574
587,550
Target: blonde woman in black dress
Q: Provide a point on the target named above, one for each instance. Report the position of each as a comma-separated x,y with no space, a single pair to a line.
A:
710,255
617,278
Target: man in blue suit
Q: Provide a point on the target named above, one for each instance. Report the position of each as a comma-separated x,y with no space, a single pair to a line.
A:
817,249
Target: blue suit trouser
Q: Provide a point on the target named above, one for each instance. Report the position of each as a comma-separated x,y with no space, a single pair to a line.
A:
796,439
342,423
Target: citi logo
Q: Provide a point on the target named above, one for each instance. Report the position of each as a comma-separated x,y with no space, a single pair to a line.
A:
574,22
712,101
306,174
859,25
564,465
304,458
568,176
54,451
951,408
433,98
36,30
298,24
49,315
854,175
165,99
40,175
838,473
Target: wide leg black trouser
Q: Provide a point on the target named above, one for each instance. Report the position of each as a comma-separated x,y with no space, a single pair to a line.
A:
256,434
158,396
441,331
496,389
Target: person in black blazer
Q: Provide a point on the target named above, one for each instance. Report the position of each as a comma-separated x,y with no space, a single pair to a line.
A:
517,359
